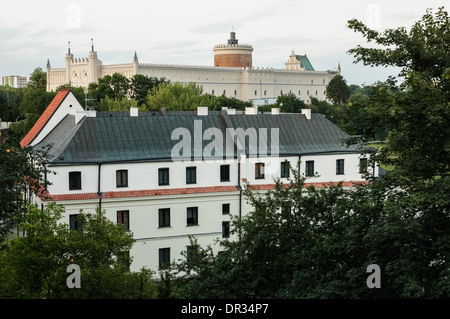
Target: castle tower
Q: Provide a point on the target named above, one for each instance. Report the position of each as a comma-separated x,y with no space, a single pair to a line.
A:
69,59
94,64
233,54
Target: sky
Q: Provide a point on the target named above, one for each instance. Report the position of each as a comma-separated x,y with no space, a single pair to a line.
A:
184,32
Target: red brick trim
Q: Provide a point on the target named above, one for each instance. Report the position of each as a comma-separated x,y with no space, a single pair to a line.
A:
175,191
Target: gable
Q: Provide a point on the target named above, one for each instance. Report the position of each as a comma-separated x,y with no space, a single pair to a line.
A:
63,103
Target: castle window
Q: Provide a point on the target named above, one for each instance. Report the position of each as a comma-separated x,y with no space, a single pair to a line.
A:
265,92
235,92
256,92
212,92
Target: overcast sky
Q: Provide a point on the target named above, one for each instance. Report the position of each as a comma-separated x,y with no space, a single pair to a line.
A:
185,32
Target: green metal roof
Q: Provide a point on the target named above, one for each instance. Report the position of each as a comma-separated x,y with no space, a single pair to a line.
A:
304,62
109,138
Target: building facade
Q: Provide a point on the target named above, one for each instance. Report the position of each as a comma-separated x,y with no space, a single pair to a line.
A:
14,81
232,74
168,175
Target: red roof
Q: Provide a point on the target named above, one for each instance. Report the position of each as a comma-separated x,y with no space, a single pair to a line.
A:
48,113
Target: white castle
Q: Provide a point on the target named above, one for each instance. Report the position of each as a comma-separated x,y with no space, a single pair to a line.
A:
232,74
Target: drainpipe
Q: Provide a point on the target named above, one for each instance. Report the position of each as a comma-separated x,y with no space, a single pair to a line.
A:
99,193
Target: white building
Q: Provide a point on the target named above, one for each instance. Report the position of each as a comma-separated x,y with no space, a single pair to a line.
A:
166,175
14,81
232,74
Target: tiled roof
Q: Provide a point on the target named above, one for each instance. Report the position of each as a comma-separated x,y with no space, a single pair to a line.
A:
176,191
48,113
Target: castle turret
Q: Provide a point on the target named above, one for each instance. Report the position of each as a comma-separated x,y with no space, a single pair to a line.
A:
94,64
69,59
233,54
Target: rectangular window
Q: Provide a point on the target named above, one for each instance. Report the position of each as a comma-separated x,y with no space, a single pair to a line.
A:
339,167
122,178
164,258
191,175
225,209
259,170
191,255
225,229
284,170
74,223
192,216
74,180
363,165
123,218
224,173
163,176
164,217
309,168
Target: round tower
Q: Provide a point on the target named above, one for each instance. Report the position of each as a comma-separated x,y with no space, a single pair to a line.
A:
233,54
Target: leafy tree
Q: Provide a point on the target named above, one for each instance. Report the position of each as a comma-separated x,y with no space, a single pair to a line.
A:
38,79
289,103
141,84
22,172
35,264
114,105
416,112
114,86
10,99
175,96
337,90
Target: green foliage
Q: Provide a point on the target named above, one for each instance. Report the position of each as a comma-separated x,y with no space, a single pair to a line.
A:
141,84
415,114
10,99
38,79
114,105
35,265
289,103
22,171
337,90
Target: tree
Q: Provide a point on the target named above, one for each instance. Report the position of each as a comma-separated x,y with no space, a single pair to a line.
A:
175,96
289,103
38,79
116,86
141,84
22,173
35,264
337,90
416,112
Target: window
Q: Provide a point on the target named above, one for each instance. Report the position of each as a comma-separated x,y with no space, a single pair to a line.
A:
74,223
339,167
363,165
256,92
74,180
123,218
259,170
164,258
163,176
192,216
224,173
191,175
225,209
225,229
235,92
309,169
122,178
164,217
284,170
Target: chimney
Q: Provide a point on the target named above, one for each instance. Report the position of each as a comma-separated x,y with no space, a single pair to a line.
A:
202,110
252,110
134,111
275,110
307,113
